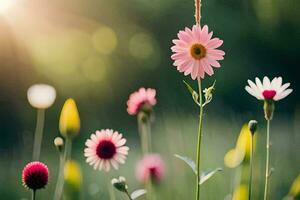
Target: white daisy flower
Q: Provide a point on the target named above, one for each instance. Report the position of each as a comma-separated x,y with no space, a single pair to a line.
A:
268,90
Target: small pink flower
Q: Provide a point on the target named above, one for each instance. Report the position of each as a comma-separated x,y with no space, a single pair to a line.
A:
195,52
106,147
140,98
35,175
268,90
150,167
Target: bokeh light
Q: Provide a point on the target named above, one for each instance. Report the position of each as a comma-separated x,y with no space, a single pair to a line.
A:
94,68
104,40
141,46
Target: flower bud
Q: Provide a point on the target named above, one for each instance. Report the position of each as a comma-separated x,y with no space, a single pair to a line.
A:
252,126
69,122
120,184
72,180
72,174
208,92
59,143
269,108
41,96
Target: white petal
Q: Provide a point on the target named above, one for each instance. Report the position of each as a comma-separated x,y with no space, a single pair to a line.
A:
121,142
282,88
259,85
283,94
273,83
266,83
279,83
96,164
251,91
114,164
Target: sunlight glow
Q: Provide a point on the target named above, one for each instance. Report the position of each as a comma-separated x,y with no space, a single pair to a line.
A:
5,5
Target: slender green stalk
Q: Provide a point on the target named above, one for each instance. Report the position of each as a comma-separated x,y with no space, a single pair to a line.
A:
267,175
251,168
144,131
110,188
199,140
60,180
127,193
33,194
38,135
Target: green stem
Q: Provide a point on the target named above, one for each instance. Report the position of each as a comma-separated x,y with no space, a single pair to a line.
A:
110,188
38,135
60,180
199,140
251,168
33,194
267,161
127,193
145,132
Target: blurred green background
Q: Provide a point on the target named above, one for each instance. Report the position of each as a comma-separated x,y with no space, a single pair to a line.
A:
98,52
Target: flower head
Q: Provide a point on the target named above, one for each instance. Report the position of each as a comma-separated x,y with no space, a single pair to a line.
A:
69,121
141,99
72,174
106,147
41,96
35,175
59,144
195,52
268,90
120,184
150,167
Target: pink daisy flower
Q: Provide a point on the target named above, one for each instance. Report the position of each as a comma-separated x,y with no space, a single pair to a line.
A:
140,99
196,53
150,167
105,148
268,90
35,175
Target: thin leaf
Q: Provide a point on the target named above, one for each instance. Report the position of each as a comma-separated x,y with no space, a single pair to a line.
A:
188,161
190,89
207,175
194,94
137,193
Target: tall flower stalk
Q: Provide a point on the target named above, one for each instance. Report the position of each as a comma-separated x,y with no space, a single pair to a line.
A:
144,127
267,174
38,135
140,103
199,138
195,53
269,92
252,127
69,127
41,97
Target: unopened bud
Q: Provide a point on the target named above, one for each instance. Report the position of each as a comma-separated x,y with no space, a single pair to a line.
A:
269,108
252,126
120,184
59,143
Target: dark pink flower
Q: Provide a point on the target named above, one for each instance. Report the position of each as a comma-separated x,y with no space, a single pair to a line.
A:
35,175
150,167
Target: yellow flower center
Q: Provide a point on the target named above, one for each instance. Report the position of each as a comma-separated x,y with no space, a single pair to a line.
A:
198,51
